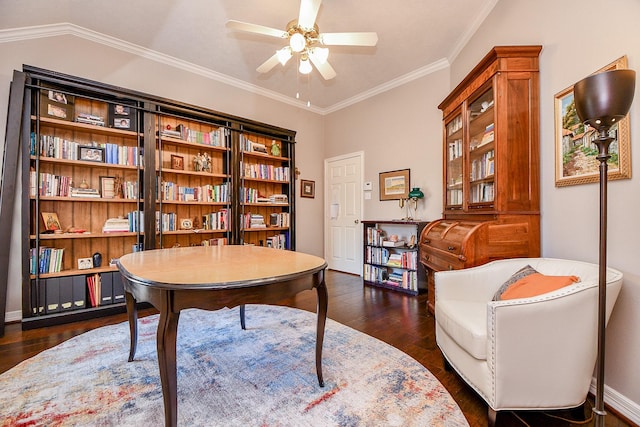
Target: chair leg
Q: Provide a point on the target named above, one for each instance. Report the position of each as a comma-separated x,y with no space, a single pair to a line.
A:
491,417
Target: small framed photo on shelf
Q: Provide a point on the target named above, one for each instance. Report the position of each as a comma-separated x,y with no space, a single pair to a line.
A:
177,162
91,154
186,224
394,185
85,263
108,187
307,188
51,222
122,116
56,104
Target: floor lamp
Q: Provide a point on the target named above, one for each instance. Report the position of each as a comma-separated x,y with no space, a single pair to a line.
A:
602,100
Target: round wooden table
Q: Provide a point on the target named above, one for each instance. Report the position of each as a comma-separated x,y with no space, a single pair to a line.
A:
210,278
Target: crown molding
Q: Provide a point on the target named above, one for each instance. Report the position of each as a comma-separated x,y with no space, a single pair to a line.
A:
391,84
66,28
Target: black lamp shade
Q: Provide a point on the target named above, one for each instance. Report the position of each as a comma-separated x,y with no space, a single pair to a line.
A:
603,99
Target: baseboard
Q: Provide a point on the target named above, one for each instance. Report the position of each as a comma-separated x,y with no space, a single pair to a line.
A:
619,402
13,316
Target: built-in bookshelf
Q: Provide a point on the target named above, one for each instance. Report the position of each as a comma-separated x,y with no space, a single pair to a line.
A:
109,171
391,255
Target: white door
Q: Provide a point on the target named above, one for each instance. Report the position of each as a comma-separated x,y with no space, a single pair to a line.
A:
343,211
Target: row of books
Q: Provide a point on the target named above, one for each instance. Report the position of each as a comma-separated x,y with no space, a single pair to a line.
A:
405,279
214,138
454,197
280,219
49,185
216,241
375,236
455,149
205,193
253,147
483,166
482,192
275,173
383,257
277,242
56,294
60,148
220,220
45,260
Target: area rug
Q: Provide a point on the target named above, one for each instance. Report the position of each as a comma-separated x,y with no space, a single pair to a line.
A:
262,376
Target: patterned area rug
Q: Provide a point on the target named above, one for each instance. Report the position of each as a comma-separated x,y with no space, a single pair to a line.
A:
263,376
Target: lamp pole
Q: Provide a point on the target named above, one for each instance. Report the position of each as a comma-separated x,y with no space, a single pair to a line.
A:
603,141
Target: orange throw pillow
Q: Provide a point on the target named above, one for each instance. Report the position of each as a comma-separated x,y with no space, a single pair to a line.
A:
537,284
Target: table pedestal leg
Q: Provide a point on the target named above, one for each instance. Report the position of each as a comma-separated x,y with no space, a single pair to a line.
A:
321,289
166,342
132,314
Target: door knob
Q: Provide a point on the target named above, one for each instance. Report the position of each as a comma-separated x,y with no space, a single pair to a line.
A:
357,221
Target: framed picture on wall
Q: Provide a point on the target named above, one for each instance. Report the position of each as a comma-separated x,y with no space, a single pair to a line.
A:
394,185
307,188
576,161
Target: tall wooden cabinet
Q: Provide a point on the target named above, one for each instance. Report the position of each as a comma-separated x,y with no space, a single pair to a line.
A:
107,171
491,166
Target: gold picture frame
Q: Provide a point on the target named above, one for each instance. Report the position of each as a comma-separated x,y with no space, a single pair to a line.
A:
575,154
394,185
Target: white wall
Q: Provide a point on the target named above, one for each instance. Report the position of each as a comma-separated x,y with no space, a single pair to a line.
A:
398,129
82,58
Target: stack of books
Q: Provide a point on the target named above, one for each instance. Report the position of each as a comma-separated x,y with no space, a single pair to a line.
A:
90,119
257,221
84,192
116,225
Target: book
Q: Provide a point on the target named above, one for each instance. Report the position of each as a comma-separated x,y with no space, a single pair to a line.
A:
389,243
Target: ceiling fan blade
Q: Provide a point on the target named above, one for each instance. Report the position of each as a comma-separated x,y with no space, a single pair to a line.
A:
325,69
258,29
268,64
349,39
308,13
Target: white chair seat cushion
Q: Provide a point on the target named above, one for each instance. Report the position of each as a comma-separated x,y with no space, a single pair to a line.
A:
466,323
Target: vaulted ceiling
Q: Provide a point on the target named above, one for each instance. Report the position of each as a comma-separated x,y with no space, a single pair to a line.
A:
415,37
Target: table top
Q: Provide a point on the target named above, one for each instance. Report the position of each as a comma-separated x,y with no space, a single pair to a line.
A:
217,267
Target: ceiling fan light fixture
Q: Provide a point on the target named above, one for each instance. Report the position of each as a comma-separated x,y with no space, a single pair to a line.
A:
284,55
305,66
297,42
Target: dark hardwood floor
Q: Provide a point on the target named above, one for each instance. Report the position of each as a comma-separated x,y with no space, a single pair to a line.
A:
400,320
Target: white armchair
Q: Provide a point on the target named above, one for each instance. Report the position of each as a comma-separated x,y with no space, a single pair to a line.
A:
527,353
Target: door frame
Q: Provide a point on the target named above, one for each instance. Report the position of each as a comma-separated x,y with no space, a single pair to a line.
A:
360,156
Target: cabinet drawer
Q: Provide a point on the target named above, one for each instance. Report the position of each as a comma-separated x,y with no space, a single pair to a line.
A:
438,260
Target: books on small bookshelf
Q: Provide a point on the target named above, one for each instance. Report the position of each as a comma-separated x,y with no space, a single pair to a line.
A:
393,244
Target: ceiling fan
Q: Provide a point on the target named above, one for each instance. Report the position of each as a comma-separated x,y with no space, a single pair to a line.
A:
306,40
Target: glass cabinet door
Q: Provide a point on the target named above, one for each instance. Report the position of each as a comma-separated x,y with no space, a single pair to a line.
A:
454,156
481,150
